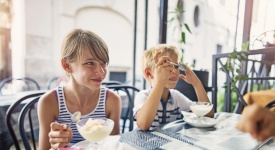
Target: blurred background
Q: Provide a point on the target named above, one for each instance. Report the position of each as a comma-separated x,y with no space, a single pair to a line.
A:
31,32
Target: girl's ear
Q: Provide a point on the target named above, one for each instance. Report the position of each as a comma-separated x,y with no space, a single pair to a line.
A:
148,73
66,66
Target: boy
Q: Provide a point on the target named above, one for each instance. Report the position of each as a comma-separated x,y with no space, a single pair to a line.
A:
162,104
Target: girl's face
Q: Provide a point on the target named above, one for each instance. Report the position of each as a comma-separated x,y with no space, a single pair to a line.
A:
88,71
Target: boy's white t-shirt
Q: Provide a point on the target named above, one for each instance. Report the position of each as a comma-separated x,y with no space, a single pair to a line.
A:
176,103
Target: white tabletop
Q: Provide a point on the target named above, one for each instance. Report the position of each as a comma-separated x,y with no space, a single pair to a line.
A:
180,135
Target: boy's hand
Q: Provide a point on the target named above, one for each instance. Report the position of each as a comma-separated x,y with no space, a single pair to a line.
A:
161,72
190,76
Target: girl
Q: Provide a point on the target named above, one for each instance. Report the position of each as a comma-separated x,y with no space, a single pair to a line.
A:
85,58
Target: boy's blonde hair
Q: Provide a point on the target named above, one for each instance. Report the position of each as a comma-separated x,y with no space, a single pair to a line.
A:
148,55
78,40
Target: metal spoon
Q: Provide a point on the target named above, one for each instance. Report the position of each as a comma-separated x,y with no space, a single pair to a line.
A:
74,118
181,66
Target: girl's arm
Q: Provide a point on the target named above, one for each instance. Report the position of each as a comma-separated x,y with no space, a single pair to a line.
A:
47,112
113,110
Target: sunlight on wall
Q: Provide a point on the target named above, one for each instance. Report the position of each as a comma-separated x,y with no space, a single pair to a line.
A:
18,39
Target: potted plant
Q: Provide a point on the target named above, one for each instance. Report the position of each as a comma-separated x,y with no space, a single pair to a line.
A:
233,65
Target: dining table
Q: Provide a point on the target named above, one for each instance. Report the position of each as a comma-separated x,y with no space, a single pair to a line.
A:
181,134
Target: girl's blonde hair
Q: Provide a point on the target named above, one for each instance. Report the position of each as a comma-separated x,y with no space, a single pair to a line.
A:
148,55
78,40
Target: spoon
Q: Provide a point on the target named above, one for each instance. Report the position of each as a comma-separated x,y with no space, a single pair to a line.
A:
181,66
74,118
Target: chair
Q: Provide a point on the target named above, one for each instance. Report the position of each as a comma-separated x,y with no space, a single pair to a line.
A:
260,76
53,82
107,83
15,108
127,94
28,108
12,85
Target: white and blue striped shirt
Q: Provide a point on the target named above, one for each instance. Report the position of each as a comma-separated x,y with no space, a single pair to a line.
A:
168,111
64,116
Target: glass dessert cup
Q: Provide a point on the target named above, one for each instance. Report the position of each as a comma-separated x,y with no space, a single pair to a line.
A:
201,109
95,130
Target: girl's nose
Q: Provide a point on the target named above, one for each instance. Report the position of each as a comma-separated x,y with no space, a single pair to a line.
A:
100,69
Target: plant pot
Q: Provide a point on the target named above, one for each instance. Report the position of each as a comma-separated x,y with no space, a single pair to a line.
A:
187,89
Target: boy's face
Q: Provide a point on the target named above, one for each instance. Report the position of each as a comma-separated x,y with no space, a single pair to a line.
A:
173,75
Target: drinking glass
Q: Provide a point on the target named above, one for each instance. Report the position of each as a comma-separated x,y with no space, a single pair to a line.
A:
95,130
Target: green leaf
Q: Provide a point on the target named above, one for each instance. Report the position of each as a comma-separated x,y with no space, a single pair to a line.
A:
183,37
238,71
187,28
245,46
274,35
170,21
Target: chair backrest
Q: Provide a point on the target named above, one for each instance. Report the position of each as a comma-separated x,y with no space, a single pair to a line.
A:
53,82
127,94
107,83
12,85
11,121
29,108
260,72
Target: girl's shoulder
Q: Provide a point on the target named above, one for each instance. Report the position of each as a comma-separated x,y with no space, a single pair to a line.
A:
112,96
49,99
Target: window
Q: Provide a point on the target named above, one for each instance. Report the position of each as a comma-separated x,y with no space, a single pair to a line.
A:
118,76
219,49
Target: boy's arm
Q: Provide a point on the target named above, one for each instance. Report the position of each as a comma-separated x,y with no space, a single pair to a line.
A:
191,78
158,77
146,114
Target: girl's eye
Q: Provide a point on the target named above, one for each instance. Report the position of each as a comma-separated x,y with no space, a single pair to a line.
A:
103,64
90,63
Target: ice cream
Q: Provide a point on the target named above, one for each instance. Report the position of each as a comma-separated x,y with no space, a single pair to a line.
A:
95,129
201,110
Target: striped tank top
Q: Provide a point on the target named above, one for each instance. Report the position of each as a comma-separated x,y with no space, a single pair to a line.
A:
64,116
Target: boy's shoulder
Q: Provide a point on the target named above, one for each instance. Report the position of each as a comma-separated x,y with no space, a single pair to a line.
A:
144,92
178,95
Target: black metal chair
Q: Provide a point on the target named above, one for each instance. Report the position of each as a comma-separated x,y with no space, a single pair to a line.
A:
26,83
127,94
28,108
260,76
27,102
107,83
53,82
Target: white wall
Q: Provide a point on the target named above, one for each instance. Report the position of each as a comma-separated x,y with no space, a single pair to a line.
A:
40,26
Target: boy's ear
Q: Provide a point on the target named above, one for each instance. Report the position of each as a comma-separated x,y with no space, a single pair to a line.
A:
66,66
147,73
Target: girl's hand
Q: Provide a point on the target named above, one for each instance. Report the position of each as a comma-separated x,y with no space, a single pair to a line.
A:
60,135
